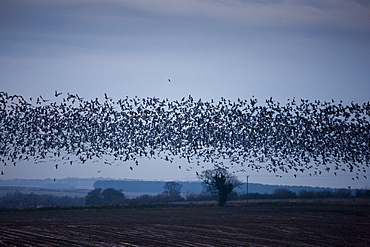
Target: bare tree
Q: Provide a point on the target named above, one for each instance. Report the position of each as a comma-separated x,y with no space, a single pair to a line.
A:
219,181
172,190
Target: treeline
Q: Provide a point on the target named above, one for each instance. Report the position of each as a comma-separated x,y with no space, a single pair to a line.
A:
113,197
110,196
18,199
285,194
305,194
171,193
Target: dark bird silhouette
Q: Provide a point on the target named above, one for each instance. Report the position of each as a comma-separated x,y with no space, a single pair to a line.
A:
106,97
2,172
56,94
44,100
169,80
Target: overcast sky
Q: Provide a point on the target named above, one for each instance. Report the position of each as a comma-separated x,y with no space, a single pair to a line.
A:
312,49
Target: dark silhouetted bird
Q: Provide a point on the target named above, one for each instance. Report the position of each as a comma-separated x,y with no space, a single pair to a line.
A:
56,94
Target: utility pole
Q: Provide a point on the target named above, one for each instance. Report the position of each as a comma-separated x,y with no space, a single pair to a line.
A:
247,188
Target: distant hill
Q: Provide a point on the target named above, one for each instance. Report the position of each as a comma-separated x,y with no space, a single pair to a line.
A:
133,188
139,187
65,183
145,187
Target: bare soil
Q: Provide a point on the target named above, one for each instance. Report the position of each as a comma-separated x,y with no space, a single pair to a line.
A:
253,224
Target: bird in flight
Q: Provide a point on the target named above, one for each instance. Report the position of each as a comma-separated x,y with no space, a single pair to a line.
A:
56,94
169,80
44,100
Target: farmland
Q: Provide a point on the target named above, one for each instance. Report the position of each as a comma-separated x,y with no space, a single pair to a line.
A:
258,223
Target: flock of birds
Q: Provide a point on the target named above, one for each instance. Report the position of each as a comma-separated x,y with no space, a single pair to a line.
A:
300,135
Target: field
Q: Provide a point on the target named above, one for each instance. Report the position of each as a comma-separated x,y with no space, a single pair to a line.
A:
45,191
258,223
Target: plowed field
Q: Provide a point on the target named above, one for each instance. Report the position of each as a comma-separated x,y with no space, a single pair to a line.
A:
250,225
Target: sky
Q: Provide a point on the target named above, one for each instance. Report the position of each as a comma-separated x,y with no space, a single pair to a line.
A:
311,49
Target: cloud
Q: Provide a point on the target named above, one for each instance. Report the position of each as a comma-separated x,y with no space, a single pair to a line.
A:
86,16
114,17
362,2
58,28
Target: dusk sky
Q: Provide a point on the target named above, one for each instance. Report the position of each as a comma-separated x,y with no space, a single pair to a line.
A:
311,49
